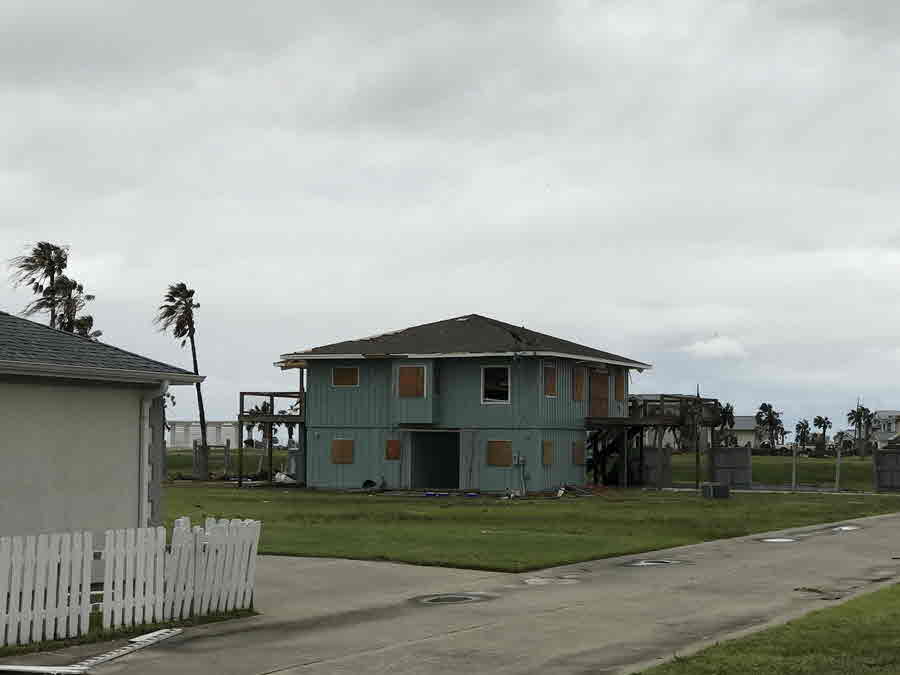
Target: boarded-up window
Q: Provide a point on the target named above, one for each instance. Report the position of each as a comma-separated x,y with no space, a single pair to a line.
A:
392,449
578,453
578,379
549,379
547,453
499,453
345,377
342,451
411,381
620,386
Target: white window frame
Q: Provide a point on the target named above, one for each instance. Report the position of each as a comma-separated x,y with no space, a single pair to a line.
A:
346,386
508,379
424,368
544,366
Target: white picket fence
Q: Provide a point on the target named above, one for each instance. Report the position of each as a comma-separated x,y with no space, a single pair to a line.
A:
45,580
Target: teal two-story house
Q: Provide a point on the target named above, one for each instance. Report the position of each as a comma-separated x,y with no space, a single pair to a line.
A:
467,403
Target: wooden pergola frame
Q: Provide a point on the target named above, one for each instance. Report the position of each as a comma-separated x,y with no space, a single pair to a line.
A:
245,418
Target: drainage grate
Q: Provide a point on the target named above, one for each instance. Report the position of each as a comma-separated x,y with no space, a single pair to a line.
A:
452,598
845,528
653,563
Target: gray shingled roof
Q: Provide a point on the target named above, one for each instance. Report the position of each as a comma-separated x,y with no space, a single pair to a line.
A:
472,333
29,344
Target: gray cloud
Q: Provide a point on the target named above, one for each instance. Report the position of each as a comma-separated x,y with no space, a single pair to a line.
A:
637,176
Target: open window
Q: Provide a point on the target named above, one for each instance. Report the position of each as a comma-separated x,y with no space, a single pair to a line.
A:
345,377
411,381
495,384
549,379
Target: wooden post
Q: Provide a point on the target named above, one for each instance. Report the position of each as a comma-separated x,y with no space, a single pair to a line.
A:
240,436
269,429
227,455
625,457
697,457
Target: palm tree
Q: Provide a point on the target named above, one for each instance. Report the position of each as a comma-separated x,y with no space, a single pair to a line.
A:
726,419
861,419
824,424
769,420
802,436
868,420
39,270
84,326
802,432
177,314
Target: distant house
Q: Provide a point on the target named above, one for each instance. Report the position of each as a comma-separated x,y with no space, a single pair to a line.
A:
885,427
469,402
82,431
745,431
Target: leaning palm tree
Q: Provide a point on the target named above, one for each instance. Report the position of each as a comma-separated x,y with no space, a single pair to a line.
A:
63,300
39,270
177,314
769,419
824,424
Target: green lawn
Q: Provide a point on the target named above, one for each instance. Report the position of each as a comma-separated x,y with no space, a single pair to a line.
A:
180,461
856,472
515,535
859,637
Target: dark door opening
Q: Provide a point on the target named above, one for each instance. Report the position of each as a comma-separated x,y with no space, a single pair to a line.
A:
435,460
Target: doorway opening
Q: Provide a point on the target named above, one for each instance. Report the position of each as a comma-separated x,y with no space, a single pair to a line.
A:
435,460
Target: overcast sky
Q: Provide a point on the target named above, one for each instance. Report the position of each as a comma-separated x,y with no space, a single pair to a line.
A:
710,186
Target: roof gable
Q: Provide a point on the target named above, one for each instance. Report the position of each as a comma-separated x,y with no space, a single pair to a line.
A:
28,346
463,336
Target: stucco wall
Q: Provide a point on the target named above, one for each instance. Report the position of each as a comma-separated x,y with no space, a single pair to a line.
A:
70,456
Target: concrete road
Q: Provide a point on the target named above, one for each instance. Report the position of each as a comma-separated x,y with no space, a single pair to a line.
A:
341,616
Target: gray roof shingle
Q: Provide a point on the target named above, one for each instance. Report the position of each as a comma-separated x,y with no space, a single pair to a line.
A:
31,344
472,333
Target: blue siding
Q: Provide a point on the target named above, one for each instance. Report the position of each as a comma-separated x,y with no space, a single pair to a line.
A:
372,413
413,410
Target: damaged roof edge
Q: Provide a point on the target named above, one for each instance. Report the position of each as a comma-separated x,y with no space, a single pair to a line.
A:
307,356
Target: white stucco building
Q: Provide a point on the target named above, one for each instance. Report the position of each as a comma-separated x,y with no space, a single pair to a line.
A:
82,438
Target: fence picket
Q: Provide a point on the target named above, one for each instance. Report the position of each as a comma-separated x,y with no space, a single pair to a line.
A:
62,590
159,561
87,563
251,568
218,601
40,588
51,607
26,614
139,578
108,560
74,580
45,580
5,555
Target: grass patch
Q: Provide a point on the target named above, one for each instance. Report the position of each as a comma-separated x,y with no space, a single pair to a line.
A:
856,472
181,461
858,637
512,536
97,634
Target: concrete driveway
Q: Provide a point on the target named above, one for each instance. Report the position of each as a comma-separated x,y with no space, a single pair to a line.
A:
341,616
